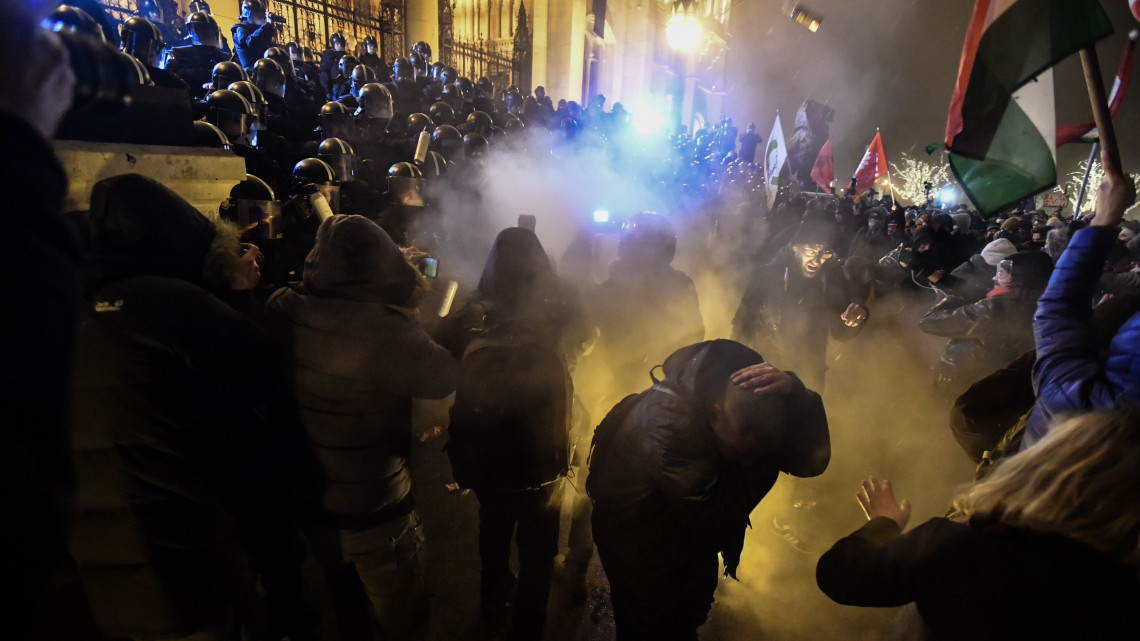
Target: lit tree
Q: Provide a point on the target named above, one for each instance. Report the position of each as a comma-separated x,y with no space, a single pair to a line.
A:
909,180
1072,187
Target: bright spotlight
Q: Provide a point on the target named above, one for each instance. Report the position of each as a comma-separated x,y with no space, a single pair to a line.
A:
947,195
601,216
647,120
683,32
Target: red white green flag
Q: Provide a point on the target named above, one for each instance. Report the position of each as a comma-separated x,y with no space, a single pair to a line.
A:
1001,129
873,165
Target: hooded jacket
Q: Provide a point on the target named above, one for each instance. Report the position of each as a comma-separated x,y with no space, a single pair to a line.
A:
163,424
358,357
662,490
41,256
1071,374
789,317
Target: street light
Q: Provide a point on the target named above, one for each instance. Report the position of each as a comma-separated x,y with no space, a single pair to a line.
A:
683,30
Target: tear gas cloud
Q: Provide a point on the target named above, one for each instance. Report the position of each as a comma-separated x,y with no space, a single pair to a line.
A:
884,414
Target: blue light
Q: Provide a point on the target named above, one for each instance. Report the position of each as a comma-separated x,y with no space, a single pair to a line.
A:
947,195
601,216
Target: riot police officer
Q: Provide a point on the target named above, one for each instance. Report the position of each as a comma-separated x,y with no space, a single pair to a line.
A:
201,6
371,58
330,59
254,34
142,39
194,62
340,85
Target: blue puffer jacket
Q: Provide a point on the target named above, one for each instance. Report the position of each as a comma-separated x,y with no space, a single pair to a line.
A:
1070,373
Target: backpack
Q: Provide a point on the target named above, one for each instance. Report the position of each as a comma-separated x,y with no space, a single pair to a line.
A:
510,422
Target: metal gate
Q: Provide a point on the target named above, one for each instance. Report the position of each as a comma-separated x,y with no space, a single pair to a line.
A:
311,22
446,51
504,61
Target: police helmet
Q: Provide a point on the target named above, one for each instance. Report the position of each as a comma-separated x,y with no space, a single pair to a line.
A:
478,122
269,77
375,102
347,64
226,73
418,122
441,113
74,20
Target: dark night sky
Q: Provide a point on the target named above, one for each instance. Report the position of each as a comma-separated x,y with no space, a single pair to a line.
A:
890,64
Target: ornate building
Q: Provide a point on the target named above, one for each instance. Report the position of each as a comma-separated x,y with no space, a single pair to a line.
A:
559,44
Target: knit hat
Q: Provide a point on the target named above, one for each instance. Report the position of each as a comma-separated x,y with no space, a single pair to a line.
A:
1031,269
994,252
1011,225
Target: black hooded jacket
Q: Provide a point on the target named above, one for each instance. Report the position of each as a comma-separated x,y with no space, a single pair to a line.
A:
358,357
663,493
165,432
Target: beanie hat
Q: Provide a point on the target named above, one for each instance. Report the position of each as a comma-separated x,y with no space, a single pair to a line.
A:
994,252
1031,269
1011,225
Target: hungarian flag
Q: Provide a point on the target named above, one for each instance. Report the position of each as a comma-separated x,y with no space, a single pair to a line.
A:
1069,133
1001,130
873,165
774,156
823,172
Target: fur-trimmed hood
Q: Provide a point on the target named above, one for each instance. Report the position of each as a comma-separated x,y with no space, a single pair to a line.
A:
140,227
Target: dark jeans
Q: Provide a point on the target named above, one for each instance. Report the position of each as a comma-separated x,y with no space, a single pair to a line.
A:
657,595
375,578
536,513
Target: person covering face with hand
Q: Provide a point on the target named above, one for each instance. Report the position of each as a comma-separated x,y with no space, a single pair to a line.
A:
677,469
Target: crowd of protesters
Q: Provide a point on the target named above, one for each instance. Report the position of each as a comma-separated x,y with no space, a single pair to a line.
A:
199,404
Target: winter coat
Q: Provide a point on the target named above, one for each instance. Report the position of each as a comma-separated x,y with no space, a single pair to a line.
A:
983,335
358,357
662,490
167,445
981,582
37,341
1071,374
788,318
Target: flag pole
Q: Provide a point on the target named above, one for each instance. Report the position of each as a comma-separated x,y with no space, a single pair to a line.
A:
1085,180
1099,100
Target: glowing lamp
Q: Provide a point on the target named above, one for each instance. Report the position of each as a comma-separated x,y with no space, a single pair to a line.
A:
683,31
601,216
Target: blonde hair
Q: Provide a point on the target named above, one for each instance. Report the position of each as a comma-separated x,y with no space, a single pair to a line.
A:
1082,481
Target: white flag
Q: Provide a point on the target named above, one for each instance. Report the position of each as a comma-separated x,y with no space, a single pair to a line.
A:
774,156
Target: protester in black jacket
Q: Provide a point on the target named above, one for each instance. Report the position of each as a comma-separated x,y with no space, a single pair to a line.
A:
1049,550
176,496
677,469
520,304
796,302
358,357
41,253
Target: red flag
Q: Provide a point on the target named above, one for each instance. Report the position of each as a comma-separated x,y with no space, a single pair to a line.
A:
824,170
873,165
1069,133
1135,6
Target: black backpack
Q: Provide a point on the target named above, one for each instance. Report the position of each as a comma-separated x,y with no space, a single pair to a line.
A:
510,422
